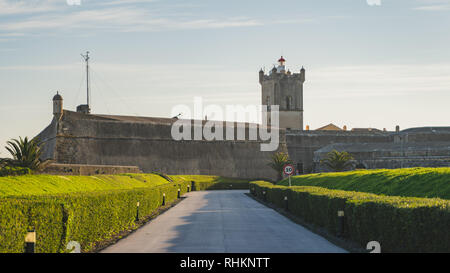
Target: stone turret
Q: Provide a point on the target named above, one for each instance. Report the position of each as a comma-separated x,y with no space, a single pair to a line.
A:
261,75
57,106
285,89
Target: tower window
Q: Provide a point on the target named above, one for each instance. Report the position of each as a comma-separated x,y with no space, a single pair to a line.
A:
288,103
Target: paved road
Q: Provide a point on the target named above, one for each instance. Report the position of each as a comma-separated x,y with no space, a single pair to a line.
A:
222,222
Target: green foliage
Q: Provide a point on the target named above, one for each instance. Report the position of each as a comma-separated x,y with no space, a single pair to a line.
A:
278,161
208,182
86,209
26,153
413,182
165,176
58,184
337,161
19,216
400,224
85,217
13,171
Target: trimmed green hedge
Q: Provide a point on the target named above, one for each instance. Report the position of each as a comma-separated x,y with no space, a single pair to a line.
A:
210,182
202,186
20,216
87,217
400,224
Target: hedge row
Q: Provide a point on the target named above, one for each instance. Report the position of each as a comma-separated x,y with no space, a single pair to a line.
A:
87,217
212,182
399,224
201,186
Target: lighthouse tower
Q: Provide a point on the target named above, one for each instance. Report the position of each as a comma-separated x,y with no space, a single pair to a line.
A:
285,89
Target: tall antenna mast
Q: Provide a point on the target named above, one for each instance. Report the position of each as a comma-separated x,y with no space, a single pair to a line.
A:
86,59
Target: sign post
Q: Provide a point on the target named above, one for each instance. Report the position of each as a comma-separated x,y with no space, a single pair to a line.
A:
288,170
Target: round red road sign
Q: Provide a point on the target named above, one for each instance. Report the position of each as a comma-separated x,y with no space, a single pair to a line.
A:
288,169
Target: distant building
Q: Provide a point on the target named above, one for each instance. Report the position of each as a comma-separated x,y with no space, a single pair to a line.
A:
329,127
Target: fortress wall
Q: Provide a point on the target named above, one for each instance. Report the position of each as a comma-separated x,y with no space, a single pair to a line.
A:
120,129
151,148
302,144
424,137
231,159
48,140
391,155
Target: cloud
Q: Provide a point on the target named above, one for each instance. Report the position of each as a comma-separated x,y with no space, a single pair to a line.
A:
116,16
17,7
348,82
433,5
121,19
433,8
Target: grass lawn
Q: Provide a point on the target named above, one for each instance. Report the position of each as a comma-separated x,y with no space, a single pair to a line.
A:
414,182
57,184
26,185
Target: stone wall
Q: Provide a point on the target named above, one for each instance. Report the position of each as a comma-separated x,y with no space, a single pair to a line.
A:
302,144
147,143
390,155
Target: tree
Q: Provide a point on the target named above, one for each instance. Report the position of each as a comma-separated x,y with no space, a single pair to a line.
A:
337,161
278,160
25,153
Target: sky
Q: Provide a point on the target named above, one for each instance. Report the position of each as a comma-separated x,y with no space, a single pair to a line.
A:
369,63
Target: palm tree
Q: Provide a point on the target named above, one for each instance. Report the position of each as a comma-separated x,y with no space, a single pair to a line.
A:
337,161
26,153
278,161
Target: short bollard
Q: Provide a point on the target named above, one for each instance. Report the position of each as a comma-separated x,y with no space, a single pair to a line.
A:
188,190
30,241
341,222
137,211
286,203
179,194
164,199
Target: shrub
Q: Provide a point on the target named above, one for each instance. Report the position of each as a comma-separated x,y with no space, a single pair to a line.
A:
85,217
26,153
19,216
202,186
14,171
400,224
209,182
278,161
337,161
